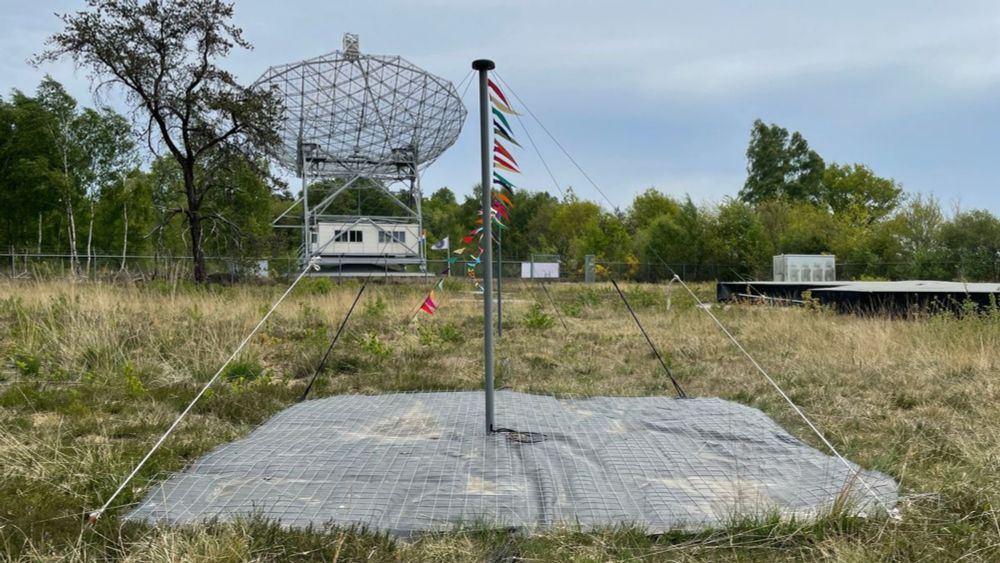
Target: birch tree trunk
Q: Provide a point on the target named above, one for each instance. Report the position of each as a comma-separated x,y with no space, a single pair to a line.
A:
90,236
73,259
125,236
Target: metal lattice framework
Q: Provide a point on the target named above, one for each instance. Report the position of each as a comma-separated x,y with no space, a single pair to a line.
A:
363,114
351,116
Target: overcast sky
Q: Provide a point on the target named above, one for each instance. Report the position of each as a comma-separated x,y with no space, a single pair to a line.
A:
661,93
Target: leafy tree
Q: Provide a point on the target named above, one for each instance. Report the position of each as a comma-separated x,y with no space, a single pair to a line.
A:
92,147
649,206
742,242
29,177
810,230
684,239
917,228
781,166
124,216
57,156
442,217
530,223
572,220
973,238
163,54
857,195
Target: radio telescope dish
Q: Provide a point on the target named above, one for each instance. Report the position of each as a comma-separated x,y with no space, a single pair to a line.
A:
349,113
362,122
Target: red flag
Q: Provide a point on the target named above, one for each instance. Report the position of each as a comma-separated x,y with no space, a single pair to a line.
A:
429,305
496,90
504,165
467,239
497,147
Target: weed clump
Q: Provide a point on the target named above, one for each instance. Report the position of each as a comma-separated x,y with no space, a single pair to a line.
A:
536,318
374,346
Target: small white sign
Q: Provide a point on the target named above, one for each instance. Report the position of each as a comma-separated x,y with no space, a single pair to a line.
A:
531,270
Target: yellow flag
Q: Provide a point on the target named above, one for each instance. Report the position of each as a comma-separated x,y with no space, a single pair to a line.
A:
498,103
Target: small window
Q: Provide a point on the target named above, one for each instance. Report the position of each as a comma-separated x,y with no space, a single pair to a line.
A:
347,236
392,236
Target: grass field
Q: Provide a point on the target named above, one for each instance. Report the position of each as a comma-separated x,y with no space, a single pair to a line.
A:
92,373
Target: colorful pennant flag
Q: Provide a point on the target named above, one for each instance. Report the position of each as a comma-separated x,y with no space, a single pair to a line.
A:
499,163
506,132
499,132
503,161
498,179
496,90
498,148
502,106
499,115
429,305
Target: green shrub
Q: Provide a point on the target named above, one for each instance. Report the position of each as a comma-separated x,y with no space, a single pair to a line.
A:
242,371
133,384
316,286
375,308
27,365
641,298
588,297
373,345
446,333
537,318
449,332
572,309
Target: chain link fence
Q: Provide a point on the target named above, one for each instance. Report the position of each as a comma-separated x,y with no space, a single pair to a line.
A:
259,268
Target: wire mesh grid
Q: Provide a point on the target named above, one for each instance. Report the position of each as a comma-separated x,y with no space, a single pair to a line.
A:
409,463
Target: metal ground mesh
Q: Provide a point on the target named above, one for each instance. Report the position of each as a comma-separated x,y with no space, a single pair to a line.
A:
417,462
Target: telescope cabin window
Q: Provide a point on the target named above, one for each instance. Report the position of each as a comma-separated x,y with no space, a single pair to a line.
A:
347,236
392,236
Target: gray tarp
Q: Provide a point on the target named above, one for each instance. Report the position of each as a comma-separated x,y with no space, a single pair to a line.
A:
415,462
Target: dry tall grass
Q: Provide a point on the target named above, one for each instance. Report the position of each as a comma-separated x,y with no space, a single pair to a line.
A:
93,373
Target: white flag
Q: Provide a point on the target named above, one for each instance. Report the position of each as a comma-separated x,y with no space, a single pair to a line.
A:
441,244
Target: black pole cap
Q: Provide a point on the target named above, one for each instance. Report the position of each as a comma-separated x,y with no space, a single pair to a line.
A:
483,64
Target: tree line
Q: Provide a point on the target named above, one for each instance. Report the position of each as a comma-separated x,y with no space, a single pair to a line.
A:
72,184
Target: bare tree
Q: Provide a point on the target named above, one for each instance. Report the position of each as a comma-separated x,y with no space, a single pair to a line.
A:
163,54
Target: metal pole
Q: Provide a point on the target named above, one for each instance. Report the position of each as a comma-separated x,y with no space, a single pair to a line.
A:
306,239
483,66
499,281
